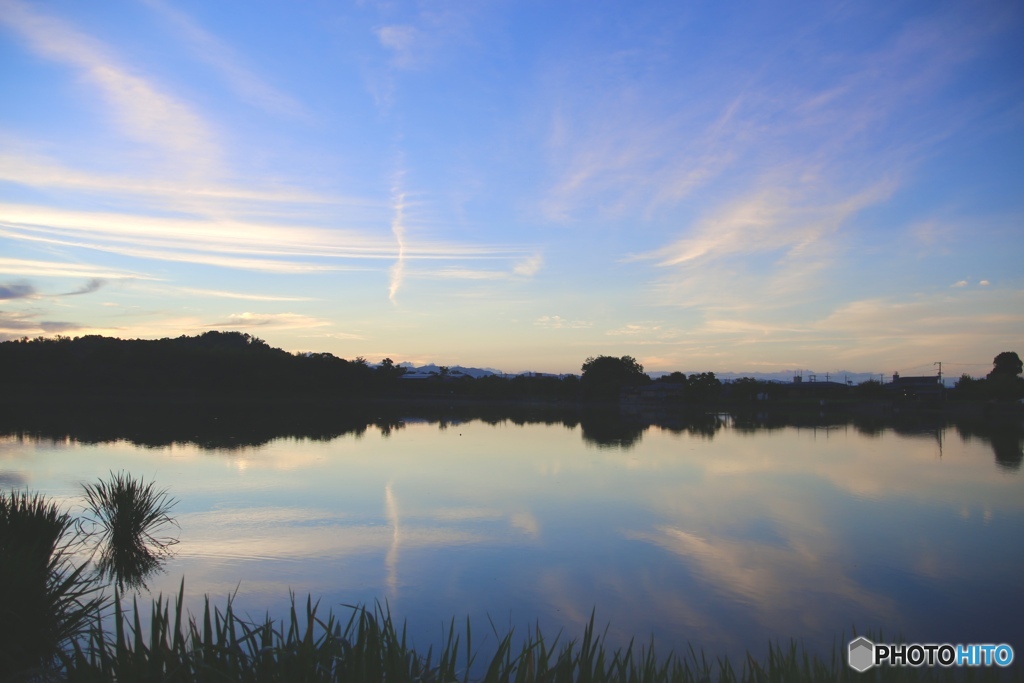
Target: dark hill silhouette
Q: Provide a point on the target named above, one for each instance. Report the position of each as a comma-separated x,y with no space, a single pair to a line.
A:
211,364
233,365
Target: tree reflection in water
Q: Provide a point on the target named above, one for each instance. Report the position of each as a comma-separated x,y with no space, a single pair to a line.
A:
607,429
218,425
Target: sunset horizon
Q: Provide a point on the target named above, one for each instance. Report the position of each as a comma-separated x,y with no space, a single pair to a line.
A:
521,185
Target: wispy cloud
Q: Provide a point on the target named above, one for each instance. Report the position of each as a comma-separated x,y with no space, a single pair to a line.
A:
35,268
15,325
522,270
241,295
762,249
557,322
924,318
398,230
631,159
287,321
632,148
37,171
243,81
530,266
140,108
644,329
404,41
343,336
456,273
415,40
230,243
17,290
89,287
904,330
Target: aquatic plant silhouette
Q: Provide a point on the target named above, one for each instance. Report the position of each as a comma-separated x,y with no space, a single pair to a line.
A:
47,597
132,516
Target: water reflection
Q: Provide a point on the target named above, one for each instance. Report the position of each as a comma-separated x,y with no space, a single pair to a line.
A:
391,561
722,530
130,518
12,480
607,429
238,426
1007,444
128,567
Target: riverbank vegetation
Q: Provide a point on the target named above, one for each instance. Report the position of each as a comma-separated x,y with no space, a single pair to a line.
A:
60,623
370,646
130,517
47,597
231,365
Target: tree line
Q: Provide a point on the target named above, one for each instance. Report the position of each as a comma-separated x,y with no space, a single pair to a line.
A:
235,364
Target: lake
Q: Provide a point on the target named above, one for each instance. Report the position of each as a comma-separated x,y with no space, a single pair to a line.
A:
716,532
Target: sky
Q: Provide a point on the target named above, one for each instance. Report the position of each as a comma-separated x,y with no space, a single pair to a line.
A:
521,185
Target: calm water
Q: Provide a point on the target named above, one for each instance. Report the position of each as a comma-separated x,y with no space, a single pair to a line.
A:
719,536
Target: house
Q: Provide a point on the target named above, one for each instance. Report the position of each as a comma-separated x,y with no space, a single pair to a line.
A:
929,386
815,389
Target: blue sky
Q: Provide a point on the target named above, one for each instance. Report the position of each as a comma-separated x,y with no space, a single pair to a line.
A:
521,185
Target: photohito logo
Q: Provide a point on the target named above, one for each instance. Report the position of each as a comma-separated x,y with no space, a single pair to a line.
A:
862,654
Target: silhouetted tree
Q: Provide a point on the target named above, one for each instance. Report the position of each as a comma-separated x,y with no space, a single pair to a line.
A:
747,388
387,375
1004,382
967,388
1008,364
703,386
605,377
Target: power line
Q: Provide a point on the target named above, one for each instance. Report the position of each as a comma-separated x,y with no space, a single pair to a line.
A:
916,367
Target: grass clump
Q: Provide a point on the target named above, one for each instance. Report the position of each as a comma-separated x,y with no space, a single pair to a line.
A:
47,599
130,514
54,626
369,646
51,589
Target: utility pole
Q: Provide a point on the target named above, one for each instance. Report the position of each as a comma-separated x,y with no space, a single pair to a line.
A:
939,363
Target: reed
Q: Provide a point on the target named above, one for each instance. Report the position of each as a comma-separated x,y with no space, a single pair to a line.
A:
47,599
130,511
131,516
370,646
53,626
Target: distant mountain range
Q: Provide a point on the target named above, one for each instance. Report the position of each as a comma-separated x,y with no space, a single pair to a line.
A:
786,376
841,376
432,369
456,370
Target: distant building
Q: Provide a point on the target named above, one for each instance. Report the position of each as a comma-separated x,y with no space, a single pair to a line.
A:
814,389
929,386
